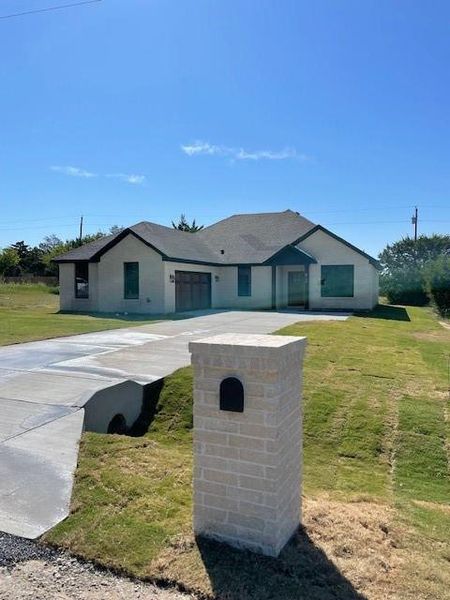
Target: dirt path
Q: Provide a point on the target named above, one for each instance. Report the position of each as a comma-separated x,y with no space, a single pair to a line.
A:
28,572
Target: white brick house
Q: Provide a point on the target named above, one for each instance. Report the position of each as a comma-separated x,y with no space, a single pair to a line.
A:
251,261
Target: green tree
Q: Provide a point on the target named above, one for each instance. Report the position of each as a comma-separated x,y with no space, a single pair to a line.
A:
49,243
21,258
52,246
184,225
437,281
29,258
402,279
52,252
9,260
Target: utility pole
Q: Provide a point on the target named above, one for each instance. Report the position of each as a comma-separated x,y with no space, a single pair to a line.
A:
414,220
81,229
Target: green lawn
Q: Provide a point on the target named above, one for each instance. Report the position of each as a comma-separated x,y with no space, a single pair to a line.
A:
376,477
31,312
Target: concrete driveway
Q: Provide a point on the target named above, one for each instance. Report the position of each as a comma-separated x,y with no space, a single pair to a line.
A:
44,388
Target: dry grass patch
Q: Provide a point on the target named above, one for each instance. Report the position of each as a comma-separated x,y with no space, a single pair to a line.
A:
433,336
346,550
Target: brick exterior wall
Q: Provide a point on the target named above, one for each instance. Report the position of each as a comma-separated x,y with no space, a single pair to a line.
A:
328,251
247,466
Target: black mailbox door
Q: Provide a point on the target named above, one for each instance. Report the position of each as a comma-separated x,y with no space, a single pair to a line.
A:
232,395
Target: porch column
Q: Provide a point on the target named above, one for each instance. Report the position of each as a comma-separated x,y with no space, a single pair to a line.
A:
307,286
274,287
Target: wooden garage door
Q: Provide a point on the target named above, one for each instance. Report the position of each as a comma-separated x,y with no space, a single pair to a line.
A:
192,290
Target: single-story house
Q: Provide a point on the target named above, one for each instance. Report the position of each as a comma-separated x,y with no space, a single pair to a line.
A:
248,261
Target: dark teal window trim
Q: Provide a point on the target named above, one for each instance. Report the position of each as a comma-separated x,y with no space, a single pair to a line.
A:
337,281
131,280
244,281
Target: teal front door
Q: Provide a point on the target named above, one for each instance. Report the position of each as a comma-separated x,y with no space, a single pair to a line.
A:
296,288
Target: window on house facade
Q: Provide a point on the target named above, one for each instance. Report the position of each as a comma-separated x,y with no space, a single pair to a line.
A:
82,280
244,281
337,281
131,280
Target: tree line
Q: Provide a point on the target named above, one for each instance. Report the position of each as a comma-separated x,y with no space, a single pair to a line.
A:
20,259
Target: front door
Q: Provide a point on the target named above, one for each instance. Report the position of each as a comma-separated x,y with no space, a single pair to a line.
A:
296,288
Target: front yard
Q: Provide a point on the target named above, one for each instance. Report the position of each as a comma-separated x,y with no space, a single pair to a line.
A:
31,312
376,477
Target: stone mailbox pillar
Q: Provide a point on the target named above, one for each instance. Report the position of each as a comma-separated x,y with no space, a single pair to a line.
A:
248,439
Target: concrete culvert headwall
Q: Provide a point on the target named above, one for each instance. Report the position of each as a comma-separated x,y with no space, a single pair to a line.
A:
114,408
117,425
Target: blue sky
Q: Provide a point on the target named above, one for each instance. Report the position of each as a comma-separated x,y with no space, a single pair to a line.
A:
129,110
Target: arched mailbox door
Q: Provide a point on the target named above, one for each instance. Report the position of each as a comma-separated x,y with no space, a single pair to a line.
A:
232,395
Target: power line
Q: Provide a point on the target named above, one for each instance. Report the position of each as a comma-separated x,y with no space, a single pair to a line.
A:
48,9
368,222
56,226
375,207
43,220
387,222
103,216
153,215
73,224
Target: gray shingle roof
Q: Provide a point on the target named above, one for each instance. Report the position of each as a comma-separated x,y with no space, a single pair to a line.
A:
247,238
254,238
87,251
174,243
168,241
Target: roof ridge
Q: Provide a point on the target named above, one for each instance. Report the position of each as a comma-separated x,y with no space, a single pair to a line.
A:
172,229
268,212
258,214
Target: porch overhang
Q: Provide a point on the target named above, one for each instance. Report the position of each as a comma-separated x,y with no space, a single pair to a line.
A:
290,255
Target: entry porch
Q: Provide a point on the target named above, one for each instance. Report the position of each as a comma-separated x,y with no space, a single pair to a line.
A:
290,278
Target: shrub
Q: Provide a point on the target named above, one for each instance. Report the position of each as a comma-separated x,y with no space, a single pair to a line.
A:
403,267
437,279
404,286
8,260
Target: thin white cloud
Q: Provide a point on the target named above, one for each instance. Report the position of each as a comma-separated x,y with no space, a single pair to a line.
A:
131,178
199,147
73,171
128,178
203,148
284,154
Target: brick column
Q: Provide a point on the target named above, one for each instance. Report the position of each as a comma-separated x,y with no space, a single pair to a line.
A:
247,465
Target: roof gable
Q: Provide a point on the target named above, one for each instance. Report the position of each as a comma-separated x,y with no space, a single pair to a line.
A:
372,260
290,255
168,242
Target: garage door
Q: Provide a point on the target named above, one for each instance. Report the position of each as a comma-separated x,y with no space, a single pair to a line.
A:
192,290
